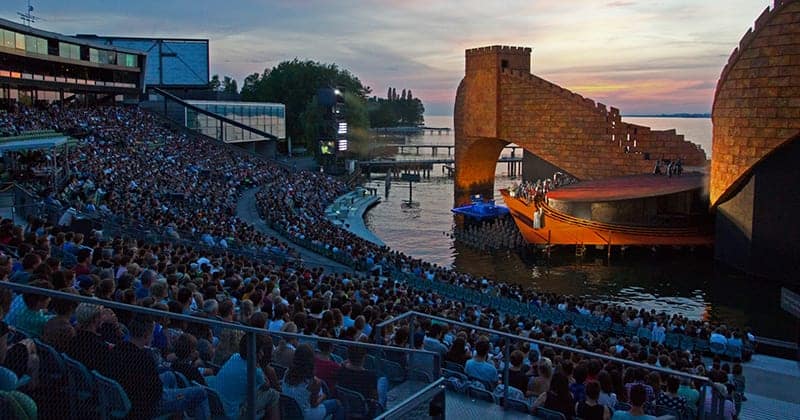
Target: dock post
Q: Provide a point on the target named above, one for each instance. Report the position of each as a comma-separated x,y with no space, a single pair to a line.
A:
609,247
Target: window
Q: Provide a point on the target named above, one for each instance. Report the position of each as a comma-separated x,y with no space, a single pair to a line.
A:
94,55
71,51
35,44
128,60
20,41
8,38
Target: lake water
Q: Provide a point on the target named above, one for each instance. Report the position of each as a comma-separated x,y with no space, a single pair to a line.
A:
670,280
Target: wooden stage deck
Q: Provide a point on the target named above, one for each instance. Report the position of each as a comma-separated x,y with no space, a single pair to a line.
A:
563,229
629,187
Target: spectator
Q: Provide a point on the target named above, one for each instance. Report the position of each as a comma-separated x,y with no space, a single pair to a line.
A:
557,398
58,331
607,396
355,377
670,398
133,366
87,346
324,365
30,317
638,398
305,388
516,372
538,385
458,352
479,367
590,408
231,382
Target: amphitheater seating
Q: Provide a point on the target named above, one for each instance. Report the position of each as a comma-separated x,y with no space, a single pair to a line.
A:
289,408
518,405
480,394
214,401
114,401
547,414
82,388
52,370
356,405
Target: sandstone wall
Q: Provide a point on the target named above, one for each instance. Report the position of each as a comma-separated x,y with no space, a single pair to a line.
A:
757,101
499,101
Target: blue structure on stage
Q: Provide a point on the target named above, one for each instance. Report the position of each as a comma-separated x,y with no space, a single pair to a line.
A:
481,209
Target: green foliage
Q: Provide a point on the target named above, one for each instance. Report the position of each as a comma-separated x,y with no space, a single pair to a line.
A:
395,111
357,123
295,83
227,85
214,83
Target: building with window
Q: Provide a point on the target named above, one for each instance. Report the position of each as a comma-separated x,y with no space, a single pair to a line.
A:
37,65
264,116
175,64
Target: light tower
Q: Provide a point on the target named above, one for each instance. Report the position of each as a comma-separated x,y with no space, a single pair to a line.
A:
27,17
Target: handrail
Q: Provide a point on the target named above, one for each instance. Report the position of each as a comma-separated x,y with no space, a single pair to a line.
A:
211,114
510,337
405,406
540,343
23,288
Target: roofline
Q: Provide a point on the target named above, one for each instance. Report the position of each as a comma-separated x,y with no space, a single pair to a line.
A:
17,27
140,38
209,102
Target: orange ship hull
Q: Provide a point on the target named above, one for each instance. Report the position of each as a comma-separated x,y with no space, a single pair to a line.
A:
563,229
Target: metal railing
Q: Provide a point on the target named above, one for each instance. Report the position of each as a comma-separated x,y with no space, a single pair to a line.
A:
427,402
250,332
413,317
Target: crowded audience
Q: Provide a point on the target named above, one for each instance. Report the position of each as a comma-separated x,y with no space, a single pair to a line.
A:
131,169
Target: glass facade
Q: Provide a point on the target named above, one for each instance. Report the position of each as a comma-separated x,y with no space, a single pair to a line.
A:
38,45
71,51
268,117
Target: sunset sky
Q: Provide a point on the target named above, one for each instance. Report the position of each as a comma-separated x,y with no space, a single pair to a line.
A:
642,56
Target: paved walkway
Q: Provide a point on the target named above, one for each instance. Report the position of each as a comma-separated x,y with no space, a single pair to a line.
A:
348,210
773,389
247,211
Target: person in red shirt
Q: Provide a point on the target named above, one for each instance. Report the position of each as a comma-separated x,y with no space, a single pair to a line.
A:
325,367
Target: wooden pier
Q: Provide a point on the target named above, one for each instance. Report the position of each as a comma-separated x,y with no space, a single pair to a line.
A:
412,130
424,167
404,148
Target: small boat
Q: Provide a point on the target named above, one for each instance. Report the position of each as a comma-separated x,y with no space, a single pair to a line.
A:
481,209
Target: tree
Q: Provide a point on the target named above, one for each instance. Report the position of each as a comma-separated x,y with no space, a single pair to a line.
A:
295,83
249,85
229,85
394,111
214,84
